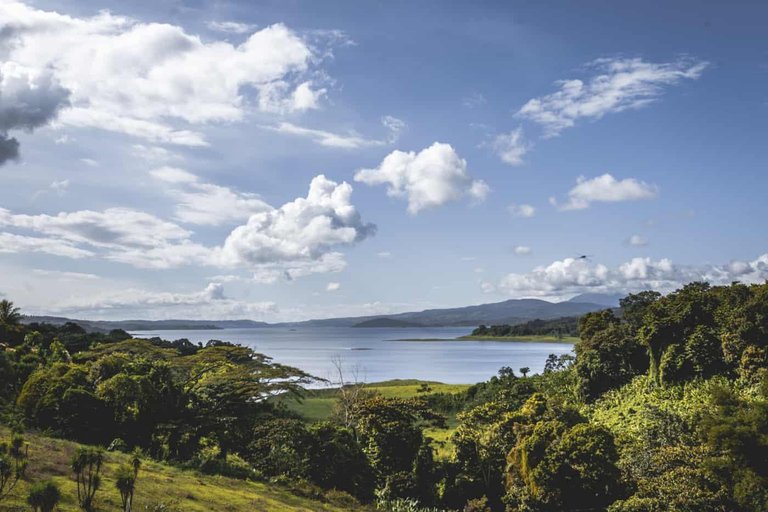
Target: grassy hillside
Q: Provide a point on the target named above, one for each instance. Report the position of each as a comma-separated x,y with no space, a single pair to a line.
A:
161,484
319,404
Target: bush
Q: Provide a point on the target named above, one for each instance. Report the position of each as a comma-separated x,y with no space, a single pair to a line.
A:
43,496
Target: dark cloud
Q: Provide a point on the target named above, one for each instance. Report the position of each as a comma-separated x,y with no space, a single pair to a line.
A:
9,149
27,102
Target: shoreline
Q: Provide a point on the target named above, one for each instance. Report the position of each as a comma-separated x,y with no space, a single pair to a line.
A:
537,338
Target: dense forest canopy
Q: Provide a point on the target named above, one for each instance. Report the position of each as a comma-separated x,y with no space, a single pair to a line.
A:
663,408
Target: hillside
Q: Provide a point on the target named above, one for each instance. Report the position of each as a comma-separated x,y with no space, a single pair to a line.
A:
159,484
513,311
386,322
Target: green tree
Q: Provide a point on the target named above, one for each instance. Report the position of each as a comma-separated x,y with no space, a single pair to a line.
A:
10,323
391,431
559,468
524,370
44,496
633,307
86,465
608,359
594,322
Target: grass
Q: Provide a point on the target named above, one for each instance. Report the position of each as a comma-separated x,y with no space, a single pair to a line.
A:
158,483
319,405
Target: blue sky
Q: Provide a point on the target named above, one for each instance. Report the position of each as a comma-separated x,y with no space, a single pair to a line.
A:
469,153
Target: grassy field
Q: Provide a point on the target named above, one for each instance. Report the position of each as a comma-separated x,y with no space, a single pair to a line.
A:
180,490
319,405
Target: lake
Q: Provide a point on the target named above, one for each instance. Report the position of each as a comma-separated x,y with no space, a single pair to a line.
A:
378,359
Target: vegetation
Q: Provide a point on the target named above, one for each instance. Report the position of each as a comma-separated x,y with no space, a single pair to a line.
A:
663,408
566,327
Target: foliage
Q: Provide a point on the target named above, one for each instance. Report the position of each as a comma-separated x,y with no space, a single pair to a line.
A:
558,328
44,496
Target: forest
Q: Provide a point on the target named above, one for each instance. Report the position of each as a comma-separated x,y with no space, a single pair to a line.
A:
663,407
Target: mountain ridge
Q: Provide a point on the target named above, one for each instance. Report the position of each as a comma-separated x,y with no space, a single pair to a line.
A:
511,311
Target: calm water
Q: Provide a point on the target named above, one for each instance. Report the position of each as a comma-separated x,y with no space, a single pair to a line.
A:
312,349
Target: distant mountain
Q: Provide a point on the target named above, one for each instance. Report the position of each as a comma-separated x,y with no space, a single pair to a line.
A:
147,325
511,312
386,322
610,300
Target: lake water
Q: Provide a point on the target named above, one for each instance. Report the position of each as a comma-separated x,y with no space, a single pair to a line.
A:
378,359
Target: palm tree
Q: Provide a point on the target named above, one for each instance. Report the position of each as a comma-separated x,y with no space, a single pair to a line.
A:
9,320
9,315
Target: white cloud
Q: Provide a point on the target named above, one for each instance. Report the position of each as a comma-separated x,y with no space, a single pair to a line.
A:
297,239
572,276
230,27
350,140
59,188
607,189
620,84
153,153
10,243
67,276
277,98
90,162
211,303
521,250
152,80
395,126
475,99
512,147
637,241
522,210
205,203
333,286
300,231
431,178
384,254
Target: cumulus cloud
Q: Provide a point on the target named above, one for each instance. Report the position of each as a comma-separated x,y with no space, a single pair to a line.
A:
205,203
299,238
618,84
300,231
29,98
637,241
522,210
512,147
573,275
521,250
153,80
333,286
606,189
428,179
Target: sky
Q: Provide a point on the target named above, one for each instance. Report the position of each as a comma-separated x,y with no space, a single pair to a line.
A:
290,159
